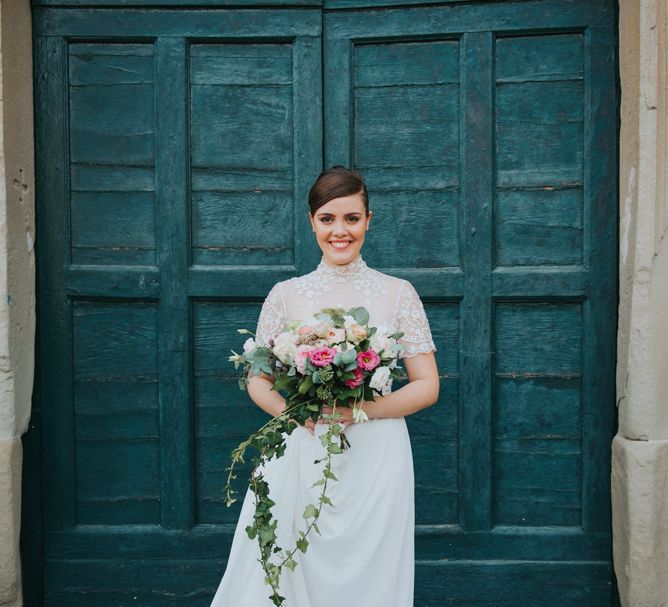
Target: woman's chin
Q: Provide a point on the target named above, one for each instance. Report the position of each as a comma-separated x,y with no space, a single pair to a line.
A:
342,255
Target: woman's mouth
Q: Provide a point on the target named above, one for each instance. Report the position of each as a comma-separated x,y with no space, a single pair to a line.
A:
340,244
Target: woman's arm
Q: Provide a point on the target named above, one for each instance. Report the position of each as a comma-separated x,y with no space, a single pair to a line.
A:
421,390
259,389
270,401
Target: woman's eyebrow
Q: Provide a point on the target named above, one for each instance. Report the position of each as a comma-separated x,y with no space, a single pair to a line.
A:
351,213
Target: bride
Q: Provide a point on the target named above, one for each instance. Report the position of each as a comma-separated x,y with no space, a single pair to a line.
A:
364,554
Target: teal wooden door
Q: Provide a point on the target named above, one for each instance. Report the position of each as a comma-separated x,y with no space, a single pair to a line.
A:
175,150
487,132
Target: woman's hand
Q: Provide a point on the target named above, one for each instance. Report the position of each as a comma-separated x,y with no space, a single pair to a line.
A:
345,411
309,424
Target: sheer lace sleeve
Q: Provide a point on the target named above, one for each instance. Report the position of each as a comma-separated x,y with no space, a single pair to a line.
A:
412,320
272,316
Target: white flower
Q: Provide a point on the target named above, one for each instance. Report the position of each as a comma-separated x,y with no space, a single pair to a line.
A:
379,378
348,320
321,328
380,341
359,415
249,346
356,333
285,348
335,335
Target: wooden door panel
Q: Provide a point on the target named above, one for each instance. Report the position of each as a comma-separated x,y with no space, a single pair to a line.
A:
481,130
176,150
171,146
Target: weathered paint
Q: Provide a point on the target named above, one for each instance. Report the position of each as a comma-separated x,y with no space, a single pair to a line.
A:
173,158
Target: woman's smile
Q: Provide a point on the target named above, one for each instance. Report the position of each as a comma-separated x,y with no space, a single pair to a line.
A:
340,227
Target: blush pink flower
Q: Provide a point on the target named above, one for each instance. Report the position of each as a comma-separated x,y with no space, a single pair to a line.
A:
302,355
323,356
368,360
357,380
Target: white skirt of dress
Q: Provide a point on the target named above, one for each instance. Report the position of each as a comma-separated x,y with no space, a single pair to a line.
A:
364,554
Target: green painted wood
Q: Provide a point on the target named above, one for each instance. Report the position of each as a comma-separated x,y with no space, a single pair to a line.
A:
55,321
488,115
169,156
160,151
227,4
475,465
175,388
214,24
602,248
501,583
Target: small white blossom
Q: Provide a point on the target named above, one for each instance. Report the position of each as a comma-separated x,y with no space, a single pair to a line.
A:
249,346
379,378
359,415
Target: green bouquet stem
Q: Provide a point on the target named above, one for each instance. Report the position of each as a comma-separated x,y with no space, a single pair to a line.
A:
270,441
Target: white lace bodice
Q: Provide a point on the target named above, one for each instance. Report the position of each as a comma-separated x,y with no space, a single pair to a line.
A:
391,302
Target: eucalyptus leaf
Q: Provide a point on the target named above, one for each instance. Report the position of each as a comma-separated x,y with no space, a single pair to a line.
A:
360,315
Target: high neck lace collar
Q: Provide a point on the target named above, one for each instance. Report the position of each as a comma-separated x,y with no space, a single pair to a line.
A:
344,272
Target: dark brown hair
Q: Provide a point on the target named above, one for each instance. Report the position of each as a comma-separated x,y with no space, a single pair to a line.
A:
336,182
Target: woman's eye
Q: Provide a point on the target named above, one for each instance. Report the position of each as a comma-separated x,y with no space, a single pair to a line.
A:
353,219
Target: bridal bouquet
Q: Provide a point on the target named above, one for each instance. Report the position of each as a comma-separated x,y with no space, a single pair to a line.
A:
333,359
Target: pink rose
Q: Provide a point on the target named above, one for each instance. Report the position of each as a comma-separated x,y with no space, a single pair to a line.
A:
301,356
357,380
323,356
305,330
368,360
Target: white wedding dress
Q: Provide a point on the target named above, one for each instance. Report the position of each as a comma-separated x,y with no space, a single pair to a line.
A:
364,555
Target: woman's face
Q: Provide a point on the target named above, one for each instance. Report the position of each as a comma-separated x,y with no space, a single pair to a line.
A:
341,220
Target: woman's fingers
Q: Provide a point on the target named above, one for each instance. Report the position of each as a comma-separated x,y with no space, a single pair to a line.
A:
309,425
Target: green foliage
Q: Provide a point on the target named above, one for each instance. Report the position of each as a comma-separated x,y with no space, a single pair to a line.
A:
270,442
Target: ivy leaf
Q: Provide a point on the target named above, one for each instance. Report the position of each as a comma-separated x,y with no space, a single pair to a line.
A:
277,599
302,544
291,563
310,511
334,448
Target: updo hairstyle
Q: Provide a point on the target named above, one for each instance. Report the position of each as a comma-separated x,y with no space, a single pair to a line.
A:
337,182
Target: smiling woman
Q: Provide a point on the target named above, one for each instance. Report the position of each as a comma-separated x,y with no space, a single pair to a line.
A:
364,551
339,218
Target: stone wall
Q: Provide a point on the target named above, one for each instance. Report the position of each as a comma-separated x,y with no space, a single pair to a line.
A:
640,448
17,277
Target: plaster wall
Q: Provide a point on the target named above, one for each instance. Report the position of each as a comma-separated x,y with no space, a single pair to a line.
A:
639,477
17,278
